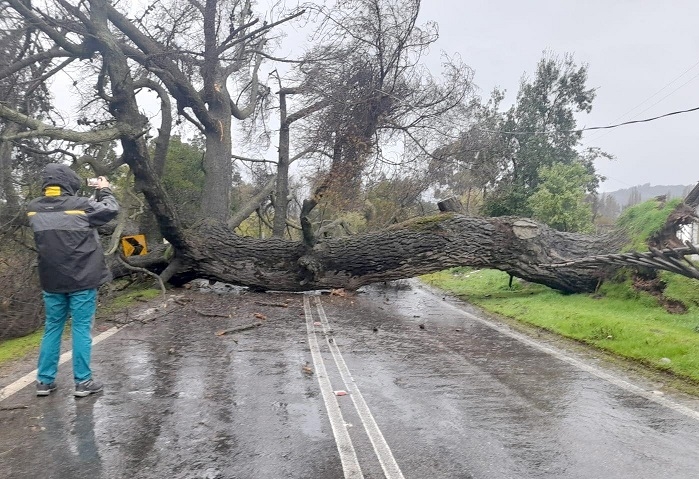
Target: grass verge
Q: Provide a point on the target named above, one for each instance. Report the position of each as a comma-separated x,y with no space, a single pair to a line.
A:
18,348
11,349
618,319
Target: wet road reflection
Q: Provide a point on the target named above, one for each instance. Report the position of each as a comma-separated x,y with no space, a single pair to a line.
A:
455,398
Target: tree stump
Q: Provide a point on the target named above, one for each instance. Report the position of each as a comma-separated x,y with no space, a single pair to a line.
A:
451,204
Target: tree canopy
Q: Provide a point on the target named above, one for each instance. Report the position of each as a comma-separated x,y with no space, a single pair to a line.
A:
361,121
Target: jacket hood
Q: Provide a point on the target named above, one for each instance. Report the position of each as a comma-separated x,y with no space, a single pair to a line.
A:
56,174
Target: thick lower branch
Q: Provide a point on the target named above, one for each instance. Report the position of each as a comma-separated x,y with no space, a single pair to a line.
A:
522,248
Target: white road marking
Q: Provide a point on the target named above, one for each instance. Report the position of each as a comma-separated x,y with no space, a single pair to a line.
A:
29,378
627,386
383,452
348,456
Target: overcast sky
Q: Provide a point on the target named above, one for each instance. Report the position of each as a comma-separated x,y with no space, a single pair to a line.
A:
637,51
643,58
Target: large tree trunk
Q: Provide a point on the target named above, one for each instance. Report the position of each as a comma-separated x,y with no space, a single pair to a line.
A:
282,186
7,190
216,197
520,247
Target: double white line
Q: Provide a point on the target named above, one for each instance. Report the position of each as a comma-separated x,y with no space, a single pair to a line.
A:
348,456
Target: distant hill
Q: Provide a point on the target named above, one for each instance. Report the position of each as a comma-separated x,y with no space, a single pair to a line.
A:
647,192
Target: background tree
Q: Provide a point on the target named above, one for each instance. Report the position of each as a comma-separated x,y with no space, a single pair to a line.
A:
560,199
472,166
608,208
540,130
207,57
384,97
183,177
634,197
378,95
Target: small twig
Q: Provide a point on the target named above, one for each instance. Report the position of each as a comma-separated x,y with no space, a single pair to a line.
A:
213,315
12,408
277,305
239,329
148,320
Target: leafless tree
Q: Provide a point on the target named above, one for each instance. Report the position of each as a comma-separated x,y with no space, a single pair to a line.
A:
199,56
368,69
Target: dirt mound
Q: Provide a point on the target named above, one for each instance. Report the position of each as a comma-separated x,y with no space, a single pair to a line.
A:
656,287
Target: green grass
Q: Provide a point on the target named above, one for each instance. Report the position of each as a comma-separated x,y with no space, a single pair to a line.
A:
644,220
627,323
126,298
12,349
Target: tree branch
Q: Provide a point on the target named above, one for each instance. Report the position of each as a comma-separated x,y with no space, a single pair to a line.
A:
15,66
40,129
252,205
60,38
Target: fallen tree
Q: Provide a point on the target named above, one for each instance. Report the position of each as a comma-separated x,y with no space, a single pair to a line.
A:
569,262
521,247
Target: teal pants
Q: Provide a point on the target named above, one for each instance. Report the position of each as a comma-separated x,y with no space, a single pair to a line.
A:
81,306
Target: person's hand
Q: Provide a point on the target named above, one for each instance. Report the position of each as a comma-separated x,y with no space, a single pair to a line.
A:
103,182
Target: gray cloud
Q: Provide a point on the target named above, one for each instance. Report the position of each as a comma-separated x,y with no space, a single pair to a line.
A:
633,49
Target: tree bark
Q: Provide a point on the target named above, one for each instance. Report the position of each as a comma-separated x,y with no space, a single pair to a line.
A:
218,178
520,247
282,187
7,190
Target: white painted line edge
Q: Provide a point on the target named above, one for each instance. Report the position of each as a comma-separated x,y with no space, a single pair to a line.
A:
625,385
29,378
348,456
381,449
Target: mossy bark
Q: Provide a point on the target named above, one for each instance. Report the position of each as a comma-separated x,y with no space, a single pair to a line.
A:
520,247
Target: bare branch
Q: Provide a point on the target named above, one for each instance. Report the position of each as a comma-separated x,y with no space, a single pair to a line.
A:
252,205
243,113
252,160
40,129
79,50
14,67
304,112
163,140
255,33
152,54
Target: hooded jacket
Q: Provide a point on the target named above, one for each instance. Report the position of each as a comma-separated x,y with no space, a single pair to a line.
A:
65,231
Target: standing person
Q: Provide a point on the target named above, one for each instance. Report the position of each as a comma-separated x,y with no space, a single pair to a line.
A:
71,268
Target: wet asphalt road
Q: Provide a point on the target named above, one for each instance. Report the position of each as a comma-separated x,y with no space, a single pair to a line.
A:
458,398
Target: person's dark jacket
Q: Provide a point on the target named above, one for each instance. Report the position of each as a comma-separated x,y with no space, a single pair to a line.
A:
65,231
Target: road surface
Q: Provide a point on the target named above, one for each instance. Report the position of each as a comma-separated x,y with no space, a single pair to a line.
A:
395,382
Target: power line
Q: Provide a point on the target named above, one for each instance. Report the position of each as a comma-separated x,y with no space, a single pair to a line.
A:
673,91
607,127
658,92
651,106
